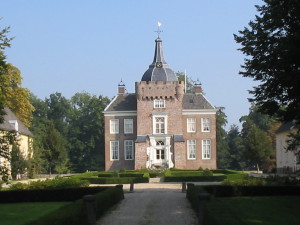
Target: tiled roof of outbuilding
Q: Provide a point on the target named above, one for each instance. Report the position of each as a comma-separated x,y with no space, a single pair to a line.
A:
7,126
286,127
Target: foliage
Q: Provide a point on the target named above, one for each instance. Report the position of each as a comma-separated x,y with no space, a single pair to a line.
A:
7,139
18,162
236,148
258,145
189,82
56,183
80,124
15,96
271,44
223,155
55,152
244,181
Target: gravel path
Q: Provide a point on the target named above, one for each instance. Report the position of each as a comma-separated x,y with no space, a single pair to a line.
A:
159,204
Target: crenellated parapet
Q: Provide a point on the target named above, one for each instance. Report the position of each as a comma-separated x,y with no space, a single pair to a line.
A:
147,90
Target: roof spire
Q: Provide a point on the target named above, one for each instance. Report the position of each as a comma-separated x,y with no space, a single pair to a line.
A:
159,70
158,31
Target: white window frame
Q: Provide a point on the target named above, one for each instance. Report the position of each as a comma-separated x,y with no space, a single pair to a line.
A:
191,125
159,103
206,149
128,147
114,126
114,151
191,146
205,124
128,126
165,124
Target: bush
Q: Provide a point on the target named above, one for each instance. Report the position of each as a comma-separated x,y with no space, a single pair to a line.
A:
56,183
47,195
195,178
245,181
116,180
75,214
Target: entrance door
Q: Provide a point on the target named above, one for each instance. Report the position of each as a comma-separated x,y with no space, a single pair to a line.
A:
160,154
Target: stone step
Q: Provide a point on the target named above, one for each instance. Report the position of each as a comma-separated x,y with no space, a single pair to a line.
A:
156,180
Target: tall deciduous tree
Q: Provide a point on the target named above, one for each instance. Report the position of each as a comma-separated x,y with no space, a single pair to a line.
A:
257,144
189,83
86,132
272,46
223,159
15,96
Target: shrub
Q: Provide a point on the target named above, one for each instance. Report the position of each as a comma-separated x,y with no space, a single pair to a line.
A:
75,214
47,195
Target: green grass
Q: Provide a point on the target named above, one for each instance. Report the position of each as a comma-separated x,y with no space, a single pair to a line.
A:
22,213
267,210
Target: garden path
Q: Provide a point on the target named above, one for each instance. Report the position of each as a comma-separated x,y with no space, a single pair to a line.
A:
152,203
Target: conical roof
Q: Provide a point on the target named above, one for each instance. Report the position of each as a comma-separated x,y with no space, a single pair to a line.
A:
159,70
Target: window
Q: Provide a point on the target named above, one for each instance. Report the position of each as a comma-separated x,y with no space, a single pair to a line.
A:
191,149
205,125
114,126
114,150
160,154
206,149
191,124
159,103
128,144
128,126
159,125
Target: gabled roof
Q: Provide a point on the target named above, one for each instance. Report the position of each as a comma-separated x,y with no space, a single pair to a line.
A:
9,123
124,102
195,101
286,127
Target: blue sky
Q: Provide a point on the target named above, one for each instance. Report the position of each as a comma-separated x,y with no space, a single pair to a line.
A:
72,46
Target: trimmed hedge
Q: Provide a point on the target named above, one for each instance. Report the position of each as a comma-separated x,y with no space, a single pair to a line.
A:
117,180
194,178
76,213
47,195
131,174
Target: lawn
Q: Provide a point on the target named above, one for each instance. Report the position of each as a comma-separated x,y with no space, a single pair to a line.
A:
267,210
22,213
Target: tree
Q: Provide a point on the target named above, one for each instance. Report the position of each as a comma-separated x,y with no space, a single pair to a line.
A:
4,43
236,148
16,97
18,162
189,83
223,157
54,150
272,46
86,132
257,144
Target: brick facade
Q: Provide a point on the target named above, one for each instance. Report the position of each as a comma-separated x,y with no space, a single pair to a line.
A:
160,110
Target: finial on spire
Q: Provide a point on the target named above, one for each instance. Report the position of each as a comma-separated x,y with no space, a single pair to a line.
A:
158,31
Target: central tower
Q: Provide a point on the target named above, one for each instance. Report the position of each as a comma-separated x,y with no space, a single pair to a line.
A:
159,105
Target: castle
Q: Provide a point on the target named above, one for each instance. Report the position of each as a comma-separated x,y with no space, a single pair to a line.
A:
160,125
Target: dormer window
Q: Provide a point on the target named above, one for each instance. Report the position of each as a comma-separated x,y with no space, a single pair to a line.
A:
159,103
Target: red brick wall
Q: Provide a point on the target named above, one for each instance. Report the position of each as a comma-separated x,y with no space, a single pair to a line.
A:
121,137
199,136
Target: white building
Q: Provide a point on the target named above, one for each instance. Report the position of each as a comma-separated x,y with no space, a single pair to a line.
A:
286,161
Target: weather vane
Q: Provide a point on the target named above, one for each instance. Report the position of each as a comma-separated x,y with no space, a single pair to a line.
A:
158,31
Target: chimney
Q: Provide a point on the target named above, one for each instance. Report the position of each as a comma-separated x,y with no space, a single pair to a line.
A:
197,87
121,88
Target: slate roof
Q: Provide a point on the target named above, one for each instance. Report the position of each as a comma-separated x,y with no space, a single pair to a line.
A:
125,102
286,127
159,73
7,126
195,101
